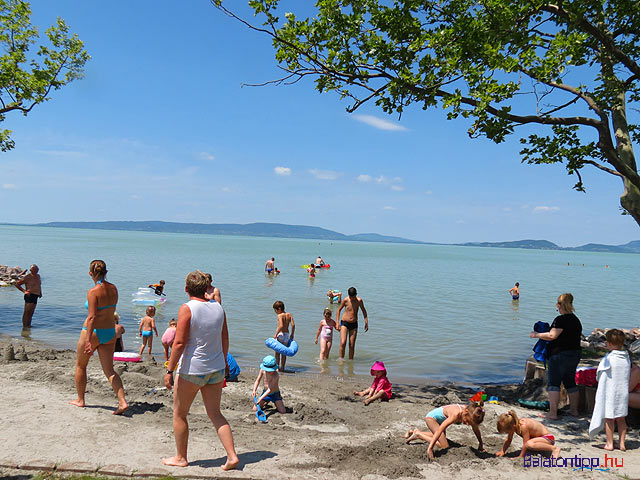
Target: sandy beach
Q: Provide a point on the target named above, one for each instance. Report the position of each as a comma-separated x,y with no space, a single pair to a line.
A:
326,434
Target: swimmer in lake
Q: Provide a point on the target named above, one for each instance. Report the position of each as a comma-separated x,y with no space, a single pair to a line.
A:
515,292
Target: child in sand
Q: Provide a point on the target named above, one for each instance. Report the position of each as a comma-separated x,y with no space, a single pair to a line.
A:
380,388
168,337
119,331
147,327
535,435
282,331
440,418
270,390
612,396
325,332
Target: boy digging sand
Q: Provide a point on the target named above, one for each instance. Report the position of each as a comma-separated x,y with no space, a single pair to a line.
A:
612,396
271,389
147,327
282,332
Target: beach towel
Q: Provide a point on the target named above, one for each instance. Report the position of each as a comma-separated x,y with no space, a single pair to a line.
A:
540,348
612,396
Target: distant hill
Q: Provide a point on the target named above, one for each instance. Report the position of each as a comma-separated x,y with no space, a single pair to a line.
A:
631,247
251,229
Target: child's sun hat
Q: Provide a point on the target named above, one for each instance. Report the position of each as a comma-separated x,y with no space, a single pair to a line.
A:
378,366
269,364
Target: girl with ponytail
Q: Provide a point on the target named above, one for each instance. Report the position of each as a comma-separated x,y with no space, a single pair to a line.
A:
535,435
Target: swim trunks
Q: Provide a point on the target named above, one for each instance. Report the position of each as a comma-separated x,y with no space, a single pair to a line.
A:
350,325
515,297
202,380
147,333
272,397
269,270
31,298
283,338
105,335
550,438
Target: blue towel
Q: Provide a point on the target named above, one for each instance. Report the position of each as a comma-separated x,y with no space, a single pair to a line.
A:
540,348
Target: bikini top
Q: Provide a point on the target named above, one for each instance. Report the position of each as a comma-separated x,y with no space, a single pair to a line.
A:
86,302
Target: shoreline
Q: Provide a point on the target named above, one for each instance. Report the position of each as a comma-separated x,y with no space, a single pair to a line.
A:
327,433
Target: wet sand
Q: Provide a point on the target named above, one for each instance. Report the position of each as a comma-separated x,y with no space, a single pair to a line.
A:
326,434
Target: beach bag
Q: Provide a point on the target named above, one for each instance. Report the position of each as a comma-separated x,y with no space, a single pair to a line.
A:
234,369
540,348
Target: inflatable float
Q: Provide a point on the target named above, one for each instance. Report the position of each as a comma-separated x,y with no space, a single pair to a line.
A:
126,357
276,346
146,297
326,265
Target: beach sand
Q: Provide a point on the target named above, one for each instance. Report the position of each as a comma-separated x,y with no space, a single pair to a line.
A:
328,434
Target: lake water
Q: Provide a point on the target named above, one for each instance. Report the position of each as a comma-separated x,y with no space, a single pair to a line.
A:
436,312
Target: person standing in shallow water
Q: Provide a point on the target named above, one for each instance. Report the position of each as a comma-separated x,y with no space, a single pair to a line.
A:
32,292
99,333
349,323
515,292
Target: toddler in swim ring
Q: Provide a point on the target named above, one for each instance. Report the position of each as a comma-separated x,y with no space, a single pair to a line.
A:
147,327
440,418
380,388
168,337
325,332
535,435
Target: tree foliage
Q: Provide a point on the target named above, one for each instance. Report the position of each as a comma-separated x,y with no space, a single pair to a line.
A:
26,77
568,68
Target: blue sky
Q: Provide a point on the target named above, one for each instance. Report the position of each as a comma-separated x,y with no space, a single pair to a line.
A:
161,128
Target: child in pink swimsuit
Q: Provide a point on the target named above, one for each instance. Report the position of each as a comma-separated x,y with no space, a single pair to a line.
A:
168,337
380,388
325,332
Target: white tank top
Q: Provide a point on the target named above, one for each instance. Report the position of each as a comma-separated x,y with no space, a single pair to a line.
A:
203,352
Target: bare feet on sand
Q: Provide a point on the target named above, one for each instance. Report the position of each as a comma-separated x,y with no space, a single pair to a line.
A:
77,403
556,452
548,416
175,461
409,433
120,410
623,447
367,401
230,465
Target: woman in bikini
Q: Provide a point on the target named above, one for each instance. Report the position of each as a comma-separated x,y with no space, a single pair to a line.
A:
99,333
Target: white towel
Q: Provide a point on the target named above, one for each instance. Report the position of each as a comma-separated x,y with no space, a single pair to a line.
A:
612,396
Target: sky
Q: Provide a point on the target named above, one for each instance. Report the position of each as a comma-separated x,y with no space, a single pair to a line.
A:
162,128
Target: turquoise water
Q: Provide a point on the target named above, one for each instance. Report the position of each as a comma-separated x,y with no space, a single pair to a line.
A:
438,312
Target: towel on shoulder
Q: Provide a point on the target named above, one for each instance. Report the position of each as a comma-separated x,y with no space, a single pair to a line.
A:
612,396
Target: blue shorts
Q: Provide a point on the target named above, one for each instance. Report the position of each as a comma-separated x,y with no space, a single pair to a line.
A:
561,368
515,297
147,333
202,380
272,397
438,415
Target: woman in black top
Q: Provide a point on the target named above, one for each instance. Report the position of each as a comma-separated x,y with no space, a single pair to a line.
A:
563,355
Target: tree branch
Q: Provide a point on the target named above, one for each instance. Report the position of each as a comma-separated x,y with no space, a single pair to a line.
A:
602,167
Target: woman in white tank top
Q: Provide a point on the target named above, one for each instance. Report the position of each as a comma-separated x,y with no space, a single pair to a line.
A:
200,354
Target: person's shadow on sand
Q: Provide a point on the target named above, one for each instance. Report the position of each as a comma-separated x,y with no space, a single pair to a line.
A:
245,459
135,408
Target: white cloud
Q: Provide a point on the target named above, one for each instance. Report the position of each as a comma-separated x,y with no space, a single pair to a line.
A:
63,153
428,192
506,209
364,178
135,197
544,209
379,123
393,183
389,208
8,186
397,188
284,171
206,156
324,174
226,189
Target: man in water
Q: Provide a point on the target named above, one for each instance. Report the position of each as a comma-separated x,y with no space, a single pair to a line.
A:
349,324
515,291
270,266
319,261
32,292
158,288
